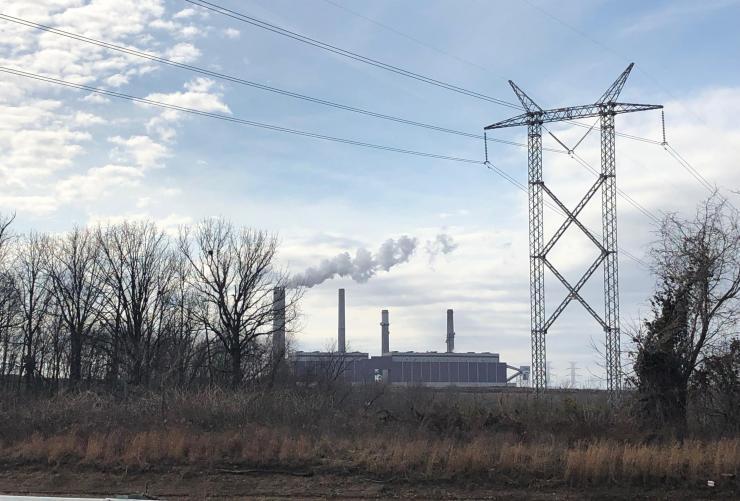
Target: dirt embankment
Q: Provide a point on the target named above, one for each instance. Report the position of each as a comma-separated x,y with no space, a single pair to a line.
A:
194,483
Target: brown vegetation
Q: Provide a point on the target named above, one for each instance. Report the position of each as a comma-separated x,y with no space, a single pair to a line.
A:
415,435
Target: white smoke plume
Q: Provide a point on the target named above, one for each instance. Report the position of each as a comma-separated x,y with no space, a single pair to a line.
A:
363,266
442,244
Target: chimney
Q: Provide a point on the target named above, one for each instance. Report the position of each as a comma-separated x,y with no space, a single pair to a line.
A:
341,346
450,332
384,333
278,323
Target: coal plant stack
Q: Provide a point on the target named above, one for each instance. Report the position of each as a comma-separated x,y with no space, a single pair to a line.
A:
450,332
384,333
278,323
342,347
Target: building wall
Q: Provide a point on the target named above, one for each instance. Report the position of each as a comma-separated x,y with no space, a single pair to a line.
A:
351,368
445,372
438,369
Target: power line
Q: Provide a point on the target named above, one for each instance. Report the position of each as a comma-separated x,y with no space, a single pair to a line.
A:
160,104
290,34
373,62
605,47
346,53
249,83
414,39
589,167
688,167
669,149
227,118
628,198
470,63
553,207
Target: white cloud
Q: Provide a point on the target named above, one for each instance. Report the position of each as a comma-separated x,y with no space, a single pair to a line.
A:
49,158
38,205
232,33
197,96
200,85
169,223
162,24
117,80
185,13
98,182
190,31
96,99
183,53
87,119
142,150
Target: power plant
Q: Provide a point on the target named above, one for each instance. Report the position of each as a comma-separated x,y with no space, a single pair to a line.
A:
437,369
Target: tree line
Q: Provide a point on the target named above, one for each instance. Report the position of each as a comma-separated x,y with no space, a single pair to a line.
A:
129,304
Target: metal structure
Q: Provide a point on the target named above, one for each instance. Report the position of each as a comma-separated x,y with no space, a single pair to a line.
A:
385,343
450,331
341,329
605,109
278,323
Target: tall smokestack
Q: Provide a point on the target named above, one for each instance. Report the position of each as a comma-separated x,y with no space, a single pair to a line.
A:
450,332
278,323
384,333
342,347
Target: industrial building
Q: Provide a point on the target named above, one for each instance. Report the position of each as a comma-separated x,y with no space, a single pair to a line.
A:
404,368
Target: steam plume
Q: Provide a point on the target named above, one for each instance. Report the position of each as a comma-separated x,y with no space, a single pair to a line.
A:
442,244
363,266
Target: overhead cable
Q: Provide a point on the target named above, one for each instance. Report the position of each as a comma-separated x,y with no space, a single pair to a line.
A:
161,104
346,53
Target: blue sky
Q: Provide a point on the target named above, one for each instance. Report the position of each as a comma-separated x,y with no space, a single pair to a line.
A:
68,157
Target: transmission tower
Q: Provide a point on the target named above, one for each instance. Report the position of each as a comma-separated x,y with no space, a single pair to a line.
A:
573,375
534,117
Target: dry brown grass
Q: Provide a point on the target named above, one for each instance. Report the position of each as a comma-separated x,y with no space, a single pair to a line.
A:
603,462
260,446
691,461
417,436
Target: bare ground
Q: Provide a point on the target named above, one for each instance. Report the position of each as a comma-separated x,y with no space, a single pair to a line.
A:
194,483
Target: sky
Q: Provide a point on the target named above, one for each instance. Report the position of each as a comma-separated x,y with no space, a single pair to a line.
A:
71,157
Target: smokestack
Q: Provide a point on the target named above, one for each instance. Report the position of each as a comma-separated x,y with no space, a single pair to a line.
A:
278,323
341,346
450,332
384,333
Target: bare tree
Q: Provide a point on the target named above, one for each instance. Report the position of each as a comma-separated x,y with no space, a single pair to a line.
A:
9,321
138,276
76,285
697,263
34,298
9,300
234,275
185,356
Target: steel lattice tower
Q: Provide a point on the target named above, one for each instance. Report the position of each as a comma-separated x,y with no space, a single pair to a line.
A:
534,117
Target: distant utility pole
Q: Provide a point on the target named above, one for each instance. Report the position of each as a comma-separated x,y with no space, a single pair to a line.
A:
573,374
534,118
548,376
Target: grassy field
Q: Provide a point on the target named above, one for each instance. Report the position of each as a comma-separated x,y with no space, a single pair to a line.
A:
570,441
